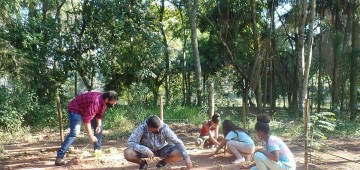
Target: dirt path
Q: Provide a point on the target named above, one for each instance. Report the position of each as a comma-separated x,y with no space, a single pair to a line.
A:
41,155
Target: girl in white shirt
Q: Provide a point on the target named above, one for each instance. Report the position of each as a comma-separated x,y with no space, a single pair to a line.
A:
237,140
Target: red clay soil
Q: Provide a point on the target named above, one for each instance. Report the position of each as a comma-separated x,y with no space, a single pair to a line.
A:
41,154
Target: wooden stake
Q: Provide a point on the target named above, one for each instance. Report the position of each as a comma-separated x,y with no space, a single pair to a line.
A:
161,109
60,119
211,100
244,115
306,120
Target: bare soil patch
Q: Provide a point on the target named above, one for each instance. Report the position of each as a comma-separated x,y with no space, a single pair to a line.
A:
40,154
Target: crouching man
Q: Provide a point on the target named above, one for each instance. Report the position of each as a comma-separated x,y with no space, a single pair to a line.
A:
153,138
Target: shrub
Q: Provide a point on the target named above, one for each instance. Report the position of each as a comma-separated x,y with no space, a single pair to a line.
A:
13,106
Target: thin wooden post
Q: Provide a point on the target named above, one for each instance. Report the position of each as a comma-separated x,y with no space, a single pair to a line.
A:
60,119
211,100
244,115
306,120
161,109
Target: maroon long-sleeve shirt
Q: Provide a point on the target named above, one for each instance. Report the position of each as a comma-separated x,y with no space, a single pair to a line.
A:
89,105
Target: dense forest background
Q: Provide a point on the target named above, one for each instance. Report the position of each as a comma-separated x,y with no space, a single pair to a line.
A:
272,53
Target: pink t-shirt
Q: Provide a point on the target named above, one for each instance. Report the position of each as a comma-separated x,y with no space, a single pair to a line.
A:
286,157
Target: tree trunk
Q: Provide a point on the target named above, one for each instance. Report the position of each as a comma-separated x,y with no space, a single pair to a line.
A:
301,52
155,90
183,59
320,99
294,91
166,52
211,100
183,63
337,43
258,93
354,63
272,88
75,84
193,6
272,60
245,92
265,81
320,71
309,54
188,87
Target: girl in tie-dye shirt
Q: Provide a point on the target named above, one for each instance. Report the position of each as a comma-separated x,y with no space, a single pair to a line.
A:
277,155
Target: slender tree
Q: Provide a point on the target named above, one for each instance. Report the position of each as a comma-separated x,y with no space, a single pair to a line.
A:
192,10
257,84
166,50
301,9
309,52
354,59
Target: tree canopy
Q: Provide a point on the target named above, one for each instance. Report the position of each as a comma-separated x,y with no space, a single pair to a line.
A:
277,50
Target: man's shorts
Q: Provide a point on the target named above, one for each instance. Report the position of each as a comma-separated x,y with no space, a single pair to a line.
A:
164,152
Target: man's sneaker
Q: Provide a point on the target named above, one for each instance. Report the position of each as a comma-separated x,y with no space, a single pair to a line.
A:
160,164
239,160
143,165
59,162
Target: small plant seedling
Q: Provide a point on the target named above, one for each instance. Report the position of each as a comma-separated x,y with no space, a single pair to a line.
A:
113,151
98,154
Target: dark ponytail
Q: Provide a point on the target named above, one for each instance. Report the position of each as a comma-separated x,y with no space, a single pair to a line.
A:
229,126
215,118
262,123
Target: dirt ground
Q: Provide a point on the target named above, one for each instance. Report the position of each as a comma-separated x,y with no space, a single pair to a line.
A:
40,154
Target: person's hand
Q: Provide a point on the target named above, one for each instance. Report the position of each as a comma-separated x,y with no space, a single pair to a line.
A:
188,163
93,138
97,129
217,151
244,167
259,150
150,154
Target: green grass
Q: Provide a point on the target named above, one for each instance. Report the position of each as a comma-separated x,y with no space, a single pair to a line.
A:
128,115
22,135
2,152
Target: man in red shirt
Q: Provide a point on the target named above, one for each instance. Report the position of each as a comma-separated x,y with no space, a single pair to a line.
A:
88,109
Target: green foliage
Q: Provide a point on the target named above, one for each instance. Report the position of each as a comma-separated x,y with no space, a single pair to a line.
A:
115,119
20,108
286,128
120,121
192,115
41,116
124,118
345,127
13,106
319,127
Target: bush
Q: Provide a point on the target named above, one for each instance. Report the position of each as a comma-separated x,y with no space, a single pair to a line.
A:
41,116
20,108
13,106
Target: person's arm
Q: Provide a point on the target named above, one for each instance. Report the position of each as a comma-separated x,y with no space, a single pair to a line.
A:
211,135
221,145
247,166
273,149
135,138
216,134
188,163
98,125
274,155
171,137
89,132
